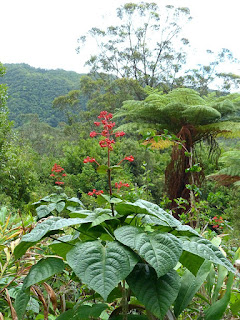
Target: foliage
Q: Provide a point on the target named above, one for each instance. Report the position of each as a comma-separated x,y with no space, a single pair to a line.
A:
131,255
192,119
32,91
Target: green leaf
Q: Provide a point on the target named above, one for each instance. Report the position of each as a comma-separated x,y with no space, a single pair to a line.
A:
217,309
235,304
94,311
96,217
102,169
101,267
60,206
43,211
160,250
149,212
206,250
222,273
69,314
116,168
157,294
21,302
189,287
51,224
42,270
191,261
184,230
131,317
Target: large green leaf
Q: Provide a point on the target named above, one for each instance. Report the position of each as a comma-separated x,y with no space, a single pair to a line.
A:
217,309
44,210
157,294
206,250
41,230
94,311
21,301
189,287
42,270
191,261
101,266
161,250
96,217
67,315
149,211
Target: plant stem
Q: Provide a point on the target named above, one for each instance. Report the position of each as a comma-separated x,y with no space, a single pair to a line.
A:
110,182
124,301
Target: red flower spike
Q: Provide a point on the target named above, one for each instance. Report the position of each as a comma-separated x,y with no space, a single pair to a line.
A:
52,175
97,124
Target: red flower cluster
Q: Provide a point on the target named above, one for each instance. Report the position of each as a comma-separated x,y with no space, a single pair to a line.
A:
57,168
91,193
120,184
130,158
88,159
218,222
106,143
107,130
58,175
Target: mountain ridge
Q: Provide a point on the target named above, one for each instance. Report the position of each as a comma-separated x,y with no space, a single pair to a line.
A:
32,90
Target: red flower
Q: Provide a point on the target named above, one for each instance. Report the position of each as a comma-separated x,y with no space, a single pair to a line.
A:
88,159
130,158
96,192
52,175
97,124
119,134
64,175
120,185
59,182
93,134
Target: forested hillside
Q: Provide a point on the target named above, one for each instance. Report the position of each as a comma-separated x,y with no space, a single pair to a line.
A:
32,91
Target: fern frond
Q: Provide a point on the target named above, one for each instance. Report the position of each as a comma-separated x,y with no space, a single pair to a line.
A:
231,172
226,129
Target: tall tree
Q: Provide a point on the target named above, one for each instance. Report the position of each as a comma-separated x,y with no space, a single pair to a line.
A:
142,45
193,119
210,75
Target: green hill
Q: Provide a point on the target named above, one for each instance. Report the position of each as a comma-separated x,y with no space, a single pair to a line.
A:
32,91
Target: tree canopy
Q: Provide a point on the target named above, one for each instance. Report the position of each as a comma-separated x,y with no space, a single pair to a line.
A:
142,46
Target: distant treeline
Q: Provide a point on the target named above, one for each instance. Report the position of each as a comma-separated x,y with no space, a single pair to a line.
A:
31,92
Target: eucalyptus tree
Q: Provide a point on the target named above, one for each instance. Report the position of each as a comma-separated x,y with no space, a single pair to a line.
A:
142,45
192,119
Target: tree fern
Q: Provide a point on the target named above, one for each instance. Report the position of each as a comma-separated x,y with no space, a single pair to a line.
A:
193,119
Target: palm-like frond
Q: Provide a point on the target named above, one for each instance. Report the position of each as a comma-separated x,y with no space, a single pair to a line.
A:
230,174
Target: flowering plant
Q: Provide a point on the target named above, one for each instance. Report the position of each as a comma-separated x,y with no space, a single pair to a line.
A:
108,142
132,247
58,173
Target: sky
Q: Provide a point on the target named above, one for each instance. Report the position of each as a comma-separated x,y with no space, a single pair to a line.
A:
44,33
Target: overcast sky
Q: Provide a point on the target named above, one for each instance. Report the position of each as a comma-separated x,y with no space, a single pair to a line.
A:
44,33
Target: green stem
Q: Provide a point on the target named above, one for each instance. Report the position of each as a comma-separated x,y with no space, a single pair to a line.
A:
124,301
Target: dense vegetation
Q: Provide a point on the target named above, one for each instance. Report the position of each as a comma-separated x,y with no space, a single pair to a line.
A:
121,201
31,92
